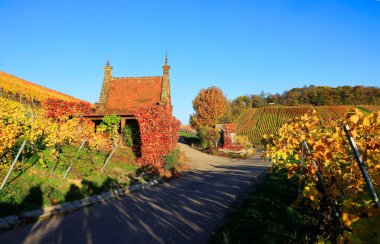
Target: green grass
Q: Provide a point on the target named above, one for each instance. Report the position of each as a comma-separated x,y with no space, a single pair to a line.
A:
34,184
363,109
186,135
268,216
189,139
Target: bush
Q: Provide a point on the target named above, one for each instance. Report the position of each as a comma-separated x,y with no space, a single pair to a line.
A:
62,110
159,134
244,141
171,160
110,125
190,139
131,135
208,137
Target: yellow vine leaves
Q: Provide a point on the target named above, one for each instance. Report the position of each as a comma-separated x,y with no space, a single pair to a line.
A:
333,157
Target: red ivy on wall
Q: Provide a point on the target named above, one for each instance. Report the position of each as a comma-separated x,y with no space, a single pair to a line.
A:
61,110
158,132
227,140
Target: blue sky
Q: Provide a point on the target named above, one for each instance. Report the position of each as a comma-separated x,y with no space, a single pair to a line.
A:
241,46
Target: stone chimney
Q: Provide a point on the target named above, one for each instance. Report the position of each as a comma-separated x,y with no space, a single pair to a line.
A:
104,92
165,90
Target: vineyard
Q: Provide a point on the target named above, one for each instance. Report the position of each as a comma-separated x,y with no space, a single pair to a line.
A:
336,185
372,108
331,112
47,146
257,122
18,89
53,154
50,154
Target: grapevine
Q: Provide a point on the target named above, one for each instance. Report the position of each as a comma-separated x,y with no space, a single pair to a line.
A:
331,153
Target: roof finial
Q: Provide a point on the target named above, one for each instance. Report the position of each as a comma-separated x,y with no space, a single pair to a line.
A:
108,61
166,58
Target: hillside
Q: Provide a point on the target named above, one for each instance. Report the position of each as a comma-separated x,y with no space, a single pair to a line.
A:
16,88
256,122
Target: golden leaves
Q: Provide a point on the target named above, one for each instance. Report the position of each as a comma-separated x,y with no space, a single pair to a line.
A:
332,154
311,193
354,118
366,121
15,126
348,219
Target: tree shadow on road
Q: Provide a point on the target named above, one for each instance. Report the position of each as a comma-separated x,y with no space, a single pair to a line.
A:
33,200
187,210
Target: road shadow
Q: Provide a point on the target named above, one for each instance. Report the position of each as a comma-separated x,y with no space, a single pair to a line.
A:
33,200
185,210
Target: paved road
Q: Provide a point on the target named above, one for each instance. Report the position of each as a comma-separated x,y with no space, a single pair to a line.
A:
184,210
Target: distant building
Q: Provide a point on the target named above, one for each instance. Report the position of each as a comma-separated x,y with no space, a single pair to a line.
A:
227,134
123,95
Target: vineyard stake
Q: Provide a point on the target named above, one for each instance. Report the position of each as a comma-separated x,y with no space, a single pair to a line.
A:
54,164
320,178
361,164
301,164
19,151
13,164
113,150
69,168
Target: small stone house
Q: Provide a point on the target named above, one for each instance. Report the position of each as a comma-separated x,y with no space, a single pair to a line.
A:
227,134
123,95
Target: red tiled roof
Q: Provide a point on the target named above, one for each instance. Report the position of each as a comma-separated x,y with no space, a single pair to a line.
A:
125,94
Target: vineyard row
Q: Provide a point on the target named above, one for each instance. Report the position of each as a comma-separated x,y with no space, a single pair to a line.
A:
257,122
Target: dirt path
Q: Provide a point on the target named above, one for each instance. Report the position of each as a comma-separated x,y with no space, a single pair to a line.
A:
184,210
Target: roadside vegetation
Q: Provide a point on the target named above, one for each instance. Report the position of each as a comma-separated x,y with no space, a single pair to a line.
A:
39,183
331,180
318,195
57,138
212,109
269,215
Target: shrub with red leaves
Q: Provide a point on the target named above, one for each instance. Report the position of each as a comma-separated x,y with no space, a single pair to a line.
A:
62,110
159,134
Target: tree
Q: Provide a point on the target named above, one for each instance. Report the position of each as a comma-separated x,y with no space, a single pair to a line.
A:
210,106
274,98
208,137
239,105
258,101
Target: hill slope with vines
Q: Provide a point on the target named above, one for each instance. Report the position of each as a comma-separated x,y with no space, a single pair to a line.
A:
15,88
257,122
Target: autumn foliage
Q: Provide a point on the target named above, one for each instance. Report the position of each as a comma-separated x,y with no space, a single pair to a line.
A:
227,140
159,134
18,123
14,86
210,105
60,109
256,122
334,159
